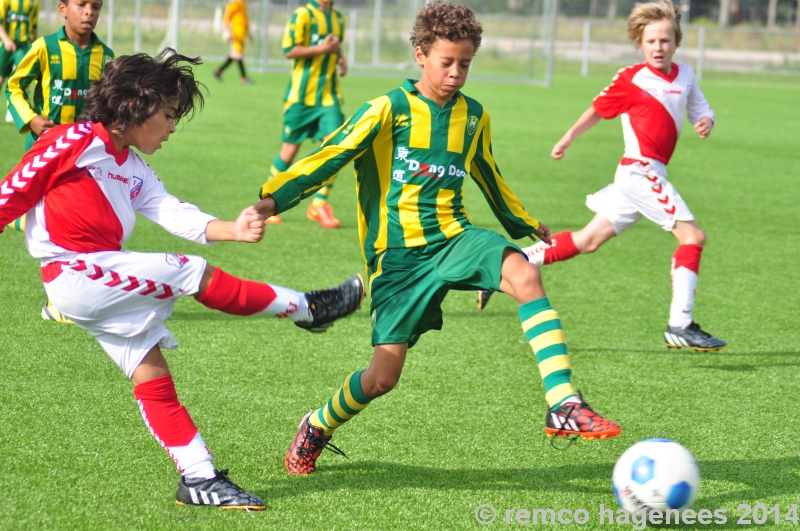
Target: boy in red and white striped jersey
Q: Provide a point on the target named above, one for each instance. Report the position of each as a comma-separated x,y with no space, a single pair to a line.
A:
652,98
81,186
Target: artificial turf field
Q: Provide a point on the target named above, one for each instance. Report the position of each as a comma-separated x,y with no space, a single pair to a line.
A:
464,427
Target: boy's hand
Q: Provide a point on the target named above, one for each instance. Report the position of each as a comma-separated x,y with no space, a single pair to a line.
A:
543,232
40,124
330,43
342,66
9,45
266,207
560,148
703,126
249,226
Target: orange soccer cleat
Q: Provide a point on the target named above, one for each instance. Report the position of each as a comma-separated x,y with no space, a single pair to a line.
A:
301,458
324,215
579,420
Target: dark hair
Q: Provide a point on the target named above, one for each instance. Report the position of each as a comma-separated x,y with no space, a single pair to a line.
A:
135,87
452,22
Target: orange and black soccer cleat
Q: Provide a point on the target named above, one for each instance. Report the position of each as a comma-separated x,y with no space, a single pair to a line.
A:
323,215
579,420
301,458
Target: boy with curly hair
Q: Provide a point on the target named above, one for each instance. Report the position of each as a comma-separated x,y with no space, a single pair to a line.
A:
412,149
82,185
652,98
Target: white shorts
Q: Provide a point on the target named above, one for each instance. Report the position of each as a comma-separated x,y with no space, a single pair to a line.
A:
122,298
640,189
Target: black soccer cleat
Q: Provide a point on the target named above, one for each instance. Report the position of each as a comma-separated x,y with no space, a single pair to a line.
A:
219,491
483,298
692,337
328,305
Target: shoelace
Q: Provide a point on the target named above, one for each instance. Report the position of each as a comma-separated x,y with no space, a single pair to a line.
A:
304,452
570,440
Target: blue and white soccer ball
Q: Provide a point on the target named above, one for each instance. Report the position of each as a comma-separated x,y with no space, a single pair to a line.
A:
656,474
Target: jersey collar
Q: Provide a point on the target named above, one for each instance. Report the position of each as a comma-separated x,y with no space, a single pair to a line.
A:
408,86
101,131
673,73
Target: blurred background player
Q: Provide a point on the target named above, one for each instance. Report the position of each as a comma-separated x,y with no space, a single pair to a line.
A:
313,98
652,98
85,186
416,237
237,29
18,21
61,67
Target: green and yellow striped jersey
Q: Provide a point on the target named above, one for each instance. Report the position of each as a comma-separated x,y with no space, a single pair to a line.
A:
410,159
19,18
314,80
63,74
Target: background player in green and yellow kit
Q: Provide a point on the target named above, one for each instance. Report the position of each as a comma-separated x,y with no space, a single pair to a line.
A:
412,149
313,98
18,20
61,67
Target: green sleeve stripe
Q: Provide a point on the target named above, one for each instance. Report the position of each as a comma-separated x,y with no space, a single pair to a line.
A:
559,349
541,328
529,309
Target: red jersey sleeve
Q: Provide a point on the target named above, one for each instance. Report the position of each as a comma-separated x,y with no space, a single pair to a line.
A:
50,161
616,99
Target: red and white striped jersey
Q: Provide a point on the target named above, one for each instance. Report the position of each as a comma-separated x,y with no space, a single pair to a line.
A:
652,105
80,195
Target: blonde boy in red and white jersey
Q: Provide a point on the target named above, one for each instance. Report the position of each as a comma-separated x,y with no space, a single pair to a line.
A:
651,98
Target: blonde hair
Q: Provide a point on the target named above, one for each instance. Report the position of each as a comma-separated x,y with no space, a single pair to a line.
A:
646,14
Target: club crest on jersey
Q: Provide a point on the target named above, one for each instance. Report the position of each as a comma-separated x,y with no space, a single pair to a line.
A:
472,125
95,173
177,260
401,121
136,188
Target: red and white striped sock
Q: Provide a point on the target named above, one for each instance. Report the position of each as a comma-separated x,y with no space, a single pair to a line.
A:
685,269
562,248
237,296
171,425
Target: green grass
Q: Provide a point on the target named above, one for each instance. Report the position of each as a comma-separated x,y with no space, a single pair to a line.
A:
464,426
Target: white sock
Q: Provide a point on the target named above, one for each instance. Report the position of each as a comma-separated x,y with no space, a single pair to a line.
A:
194,459
535,253
684,288
289,303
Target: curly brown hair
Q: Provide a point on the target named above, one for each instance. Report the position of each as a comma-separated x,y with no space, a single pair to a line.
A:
452,22
645,14
135,87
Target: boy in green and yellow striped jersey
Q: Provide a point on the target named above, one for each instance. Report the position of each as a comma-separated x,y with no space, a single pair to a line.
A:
18,20
63,66
313,97
412,149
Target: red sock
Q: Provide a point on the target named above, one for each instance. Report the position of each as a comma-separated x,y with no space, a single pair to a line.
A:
167,419
562,248
236,296
687,256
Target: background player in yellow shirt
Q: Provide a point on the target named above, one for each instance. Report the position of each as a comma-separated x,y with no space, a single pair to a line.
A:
237,25
18,20
313,97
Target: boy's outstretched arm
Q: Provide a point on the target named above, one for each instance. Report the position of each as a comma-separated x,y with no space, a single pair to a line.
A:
248,228
588,119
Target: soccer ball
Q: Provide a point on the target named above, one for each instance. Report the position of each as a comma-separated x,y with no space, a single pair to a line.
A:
656,474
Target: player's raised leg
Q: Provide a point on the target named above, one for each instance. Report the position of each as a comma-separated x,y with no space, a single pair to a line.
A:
568,414
682,331
314,311
173,427
359,389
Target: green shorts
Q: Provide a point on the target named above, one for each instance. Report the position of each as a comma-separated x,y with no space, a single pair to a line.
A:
409,285
302,121
8,60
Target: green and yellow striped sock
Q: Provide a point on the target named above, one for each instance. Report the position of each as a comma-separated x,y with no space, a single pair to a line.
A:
277,167
542,327
19,223
321,197
345,404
